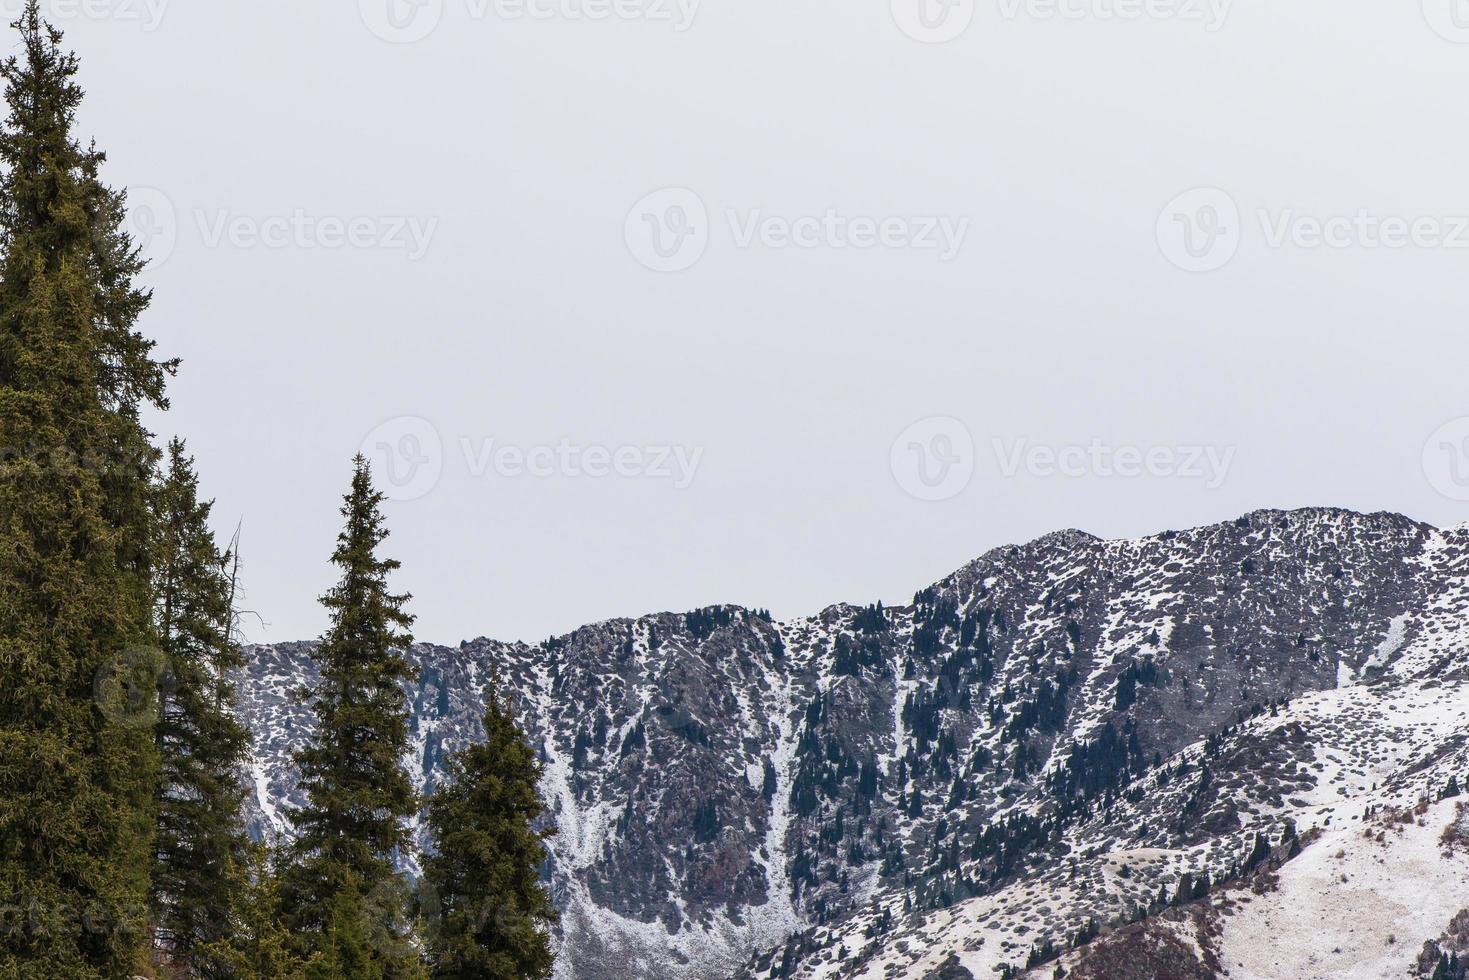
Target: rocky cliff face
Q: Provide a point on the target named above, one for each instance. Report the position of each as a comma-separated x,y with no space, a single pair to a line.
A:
1055,740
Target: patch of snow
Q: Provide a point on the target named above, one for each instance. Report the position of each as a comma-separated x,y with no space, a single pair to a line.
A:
1349,908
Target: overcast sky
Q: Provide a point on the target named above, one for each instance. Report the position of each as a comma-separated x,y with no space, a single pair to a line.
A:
649,305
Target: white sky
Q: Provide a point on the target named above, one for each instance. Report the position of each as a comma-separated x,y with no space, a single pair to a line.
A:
524,144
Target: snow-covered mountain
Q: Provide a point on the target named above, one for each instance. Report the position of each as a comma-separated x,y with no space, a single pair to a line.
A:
1231,751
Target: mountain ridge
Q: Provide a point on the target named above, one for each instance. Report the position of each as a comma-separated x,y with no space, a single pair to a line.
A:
993,553
736,795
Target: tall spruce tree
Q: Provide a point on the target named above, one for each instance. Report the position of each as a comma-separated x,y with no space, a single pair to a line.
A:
487,913
201,845
78,763
341,892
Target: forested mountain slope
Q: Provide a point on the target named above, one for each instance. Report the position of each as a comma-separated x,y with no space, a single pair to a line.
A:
1059,738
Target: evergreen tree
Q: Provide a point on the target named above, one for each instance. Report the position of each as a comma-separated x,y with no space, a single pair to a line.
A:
78,763
201,832
341,893
487,912
260,946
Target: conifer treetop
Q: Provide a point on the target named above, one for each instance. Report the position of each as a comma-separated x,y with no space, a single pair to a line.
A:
59,220
361,606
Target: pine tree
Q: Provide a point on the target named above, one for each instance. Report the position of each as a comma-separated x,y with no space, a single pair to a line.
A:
260,946
202,746
341,893
487,912
78,764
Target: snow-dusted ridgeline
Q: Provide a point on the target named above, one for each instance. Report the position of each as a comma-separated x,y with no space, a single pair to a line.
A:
1341,634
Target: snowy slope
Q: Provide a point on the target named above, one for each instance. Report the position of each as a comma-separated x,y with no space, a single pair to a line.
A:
1050,743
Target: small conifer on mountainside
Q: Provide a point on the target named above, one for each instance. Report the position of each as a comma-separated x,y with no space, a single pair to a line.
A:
341,892
201,845
486,909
